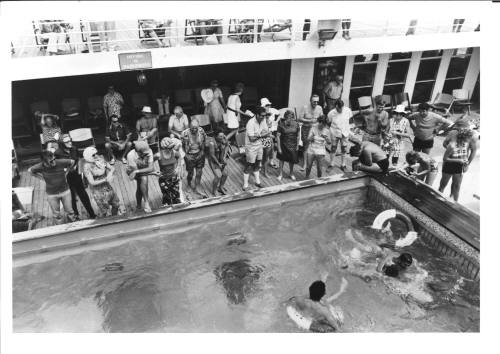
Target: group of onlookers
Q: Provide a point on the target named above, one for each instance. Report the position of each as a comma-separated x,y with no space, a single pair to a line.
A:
272,138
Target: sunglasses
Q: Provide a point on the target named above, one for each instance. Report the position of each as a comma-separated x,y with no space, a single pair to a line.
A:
315,101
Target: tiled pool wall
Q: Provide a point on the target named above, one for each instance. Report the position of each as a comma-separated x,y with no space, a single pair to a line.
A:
465,257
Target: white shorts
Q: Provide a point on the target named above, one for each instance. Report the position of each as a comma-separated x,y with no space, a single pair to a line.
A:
253,153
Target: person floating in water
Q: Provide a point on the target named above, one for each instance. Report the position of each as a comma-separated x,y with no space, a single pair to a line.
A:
316,313
394,264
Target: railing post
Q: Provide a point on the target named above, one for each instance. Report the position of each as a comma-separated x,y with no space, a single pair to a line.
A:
178,31
255,30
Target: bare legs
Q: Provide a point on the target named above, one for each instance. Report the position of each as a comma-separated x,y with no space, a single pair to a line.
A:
455,184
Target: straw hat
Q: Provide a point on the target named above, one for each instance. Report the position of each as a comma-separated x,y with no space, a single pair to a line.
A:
146,109
207,95
400,108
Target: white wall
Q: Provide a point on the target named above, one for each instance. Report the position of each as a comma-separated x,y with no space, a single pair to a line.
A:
301,82
472,72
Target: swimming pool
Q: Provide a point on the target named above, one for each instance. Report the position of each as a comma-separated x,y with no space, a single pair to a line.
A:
231,269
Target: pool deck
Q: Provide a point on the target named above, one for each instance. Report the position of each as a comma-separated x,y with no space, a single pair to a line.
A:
125,188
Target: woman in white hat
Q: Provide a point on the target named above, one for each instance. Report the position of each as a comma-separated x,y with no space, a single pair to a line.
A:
169,159
399,130
214,104
99,174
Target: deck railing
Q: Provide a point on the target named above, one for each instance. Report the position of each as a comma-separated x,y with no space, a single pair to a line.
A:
62,37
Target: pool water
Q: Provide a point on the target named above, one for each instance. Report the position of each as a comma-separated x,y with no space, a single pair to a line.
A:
236,276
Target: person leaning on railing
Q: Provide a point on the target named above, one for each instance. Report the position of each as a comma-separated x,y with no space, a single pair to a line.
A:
209,27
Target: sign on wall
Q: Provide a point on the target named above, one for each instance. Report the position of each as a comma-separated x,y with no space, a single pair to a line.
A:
135,61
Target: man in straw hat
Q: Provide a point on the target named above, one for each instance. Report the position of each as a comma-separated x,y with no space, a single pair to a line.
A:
147,128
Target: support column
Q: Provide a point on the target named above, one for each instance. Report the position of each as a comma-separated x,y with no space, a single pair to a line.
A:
443,70
472,72
378,82
349,67
301,82
411,77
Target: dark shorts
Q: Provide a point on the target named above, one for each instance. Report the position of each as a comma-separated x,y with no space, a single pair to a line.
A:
422,144
194,161
383,164
453,168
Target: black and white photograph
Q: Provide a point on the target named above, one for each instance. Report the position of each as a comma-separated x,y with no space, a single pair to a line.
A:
282,167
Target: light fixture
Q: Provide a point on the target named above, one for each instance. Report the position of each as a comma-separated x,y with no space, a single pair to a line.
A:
142,80
327,29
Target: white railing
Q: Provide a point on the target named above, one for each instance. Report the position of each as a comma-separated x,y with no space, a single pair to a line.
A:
94,37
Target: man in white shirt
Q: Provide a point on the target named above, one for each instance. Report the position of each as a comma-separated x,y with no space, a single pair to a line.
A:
338,120
178,123
333,92
256,130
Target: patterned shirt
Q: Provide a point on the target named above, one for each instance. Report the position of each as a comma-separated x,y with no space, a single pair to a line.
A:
112,104
117,132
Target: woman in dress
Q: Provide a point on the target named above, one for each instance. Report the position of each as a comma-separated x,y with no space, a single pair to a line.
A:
51,133
267,145
216,108
169,160
234,111
99,174
288,143
399,130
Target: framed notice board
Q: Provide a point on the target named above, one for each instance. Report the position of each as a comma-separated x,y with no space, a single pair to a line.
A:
135,61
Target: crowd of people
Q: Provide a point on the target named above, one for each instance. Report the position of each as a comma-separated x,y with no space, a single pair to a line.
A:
373,137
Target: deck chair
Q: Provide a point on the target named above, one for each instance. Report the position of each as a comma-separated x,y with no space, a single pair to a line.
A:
281,30
461,99
443,102
364,102
401,98
204,123
82,138
95,118
71,113
184,98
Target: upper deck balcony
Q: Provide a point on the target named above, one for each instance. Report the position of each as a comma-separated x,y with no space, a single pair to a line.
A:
64,48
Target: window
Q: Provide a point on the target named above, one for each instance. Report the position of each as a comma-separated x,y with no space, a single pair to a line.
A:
426,75
325,70
456,71
363,76
397,69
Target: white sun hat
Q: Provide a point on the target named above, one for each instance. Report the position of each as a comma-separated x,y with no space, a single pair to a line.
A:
400,108
146,109
264,102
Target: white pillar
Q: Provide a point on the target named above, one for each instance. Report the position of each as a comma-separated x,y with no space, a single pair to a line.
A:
442,71
301,82
472,72
349,67
411,77
378,82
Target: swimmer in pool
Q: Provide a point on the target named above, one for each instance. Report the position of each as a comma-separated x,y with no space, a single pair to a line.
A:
324,317
394,264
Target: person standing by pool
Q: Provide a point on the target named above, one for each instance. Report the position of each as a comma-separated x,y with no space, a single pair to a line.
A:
193,141
398,127
369,153
140,164
216,107
256,129
99,175
217,155
112,103
427,166
287,137
425,124
309,115
333,92
234,110
68,151
53,172
51,132
178,122
459,153
338,119
169,160
319,137
273,119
